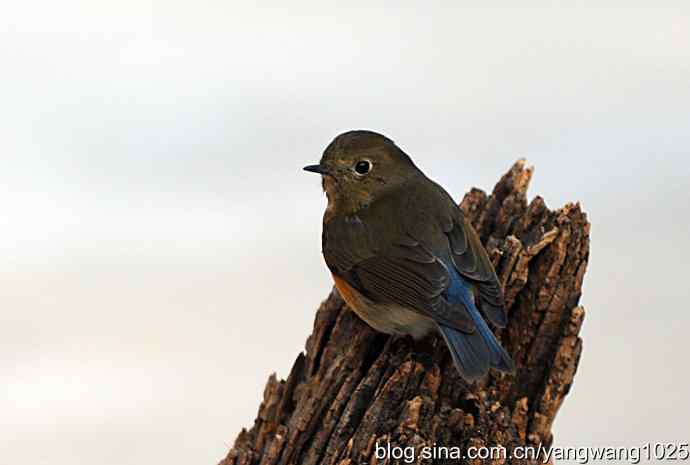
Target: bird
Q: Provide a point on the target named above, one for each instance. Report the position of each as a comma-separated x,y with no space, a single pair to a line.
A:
404,257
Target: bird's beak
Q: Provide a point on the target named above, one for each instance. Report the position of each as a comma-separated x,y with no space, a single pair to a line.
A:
317,169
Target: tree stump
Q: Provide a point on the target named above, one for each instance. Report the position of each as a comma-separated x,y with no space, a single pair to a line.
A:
356,392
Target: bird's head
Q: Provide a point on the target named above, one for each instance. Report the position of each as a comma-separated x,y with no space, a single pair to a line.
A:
360,166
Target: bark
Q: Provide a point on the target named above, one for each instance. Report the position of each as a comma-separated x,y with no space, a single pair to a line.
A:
354,388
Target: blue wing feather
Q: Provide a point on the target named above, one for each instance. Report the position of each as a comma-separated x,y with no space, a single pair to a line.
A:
473,353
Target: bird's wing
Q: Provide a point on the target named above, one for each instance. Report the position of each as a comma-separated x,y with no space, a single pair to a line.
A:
440,225
411,283
400,271
472,262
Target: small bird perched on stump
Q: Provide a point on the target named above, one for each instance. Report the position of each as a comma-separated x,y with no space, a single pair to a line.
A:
403,256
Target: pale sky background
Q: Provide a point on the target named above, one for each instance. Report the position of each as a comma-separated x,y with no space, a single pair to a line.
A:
161,246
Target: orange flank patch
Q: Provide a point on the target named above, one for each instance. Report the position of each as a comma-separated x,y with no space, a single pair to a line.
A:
346,291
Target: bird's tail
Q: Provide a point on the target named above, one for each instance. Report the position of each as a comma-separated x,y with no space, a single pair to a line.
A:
473,354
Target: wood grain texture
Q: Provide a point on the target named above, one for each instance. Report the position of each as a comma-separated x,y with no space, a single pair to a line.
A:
354,387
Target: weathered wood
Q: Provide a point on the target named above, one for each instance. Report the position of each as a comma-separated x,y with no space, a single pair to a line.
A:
355,388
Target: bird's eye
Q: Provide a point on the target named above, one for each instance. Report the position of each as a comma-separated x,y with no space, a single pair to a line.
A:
362,167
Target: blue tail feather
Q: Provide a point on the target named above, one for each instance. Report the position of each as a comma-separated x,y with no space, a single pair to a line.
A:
469,351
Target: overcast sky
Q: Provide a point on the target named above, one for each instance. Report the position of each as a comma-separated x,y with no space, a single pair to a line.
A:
161,246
